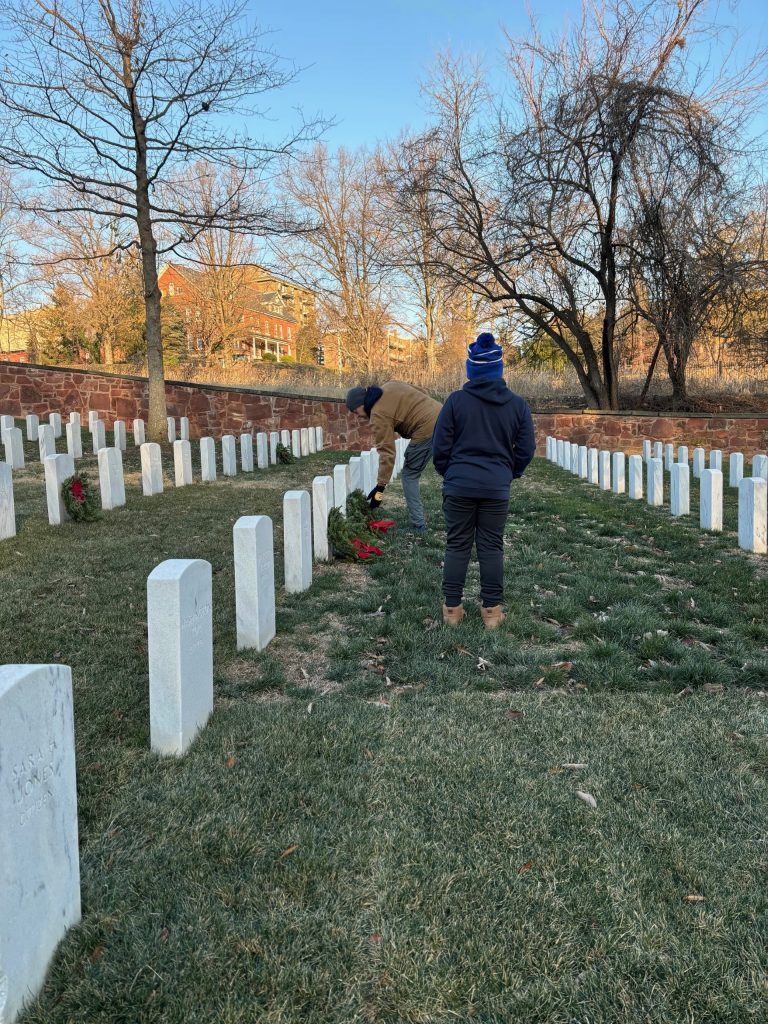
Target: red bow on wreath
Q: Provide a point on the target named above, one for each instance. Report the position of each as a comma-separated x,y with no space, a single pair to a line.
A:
382,525
76,490
365,550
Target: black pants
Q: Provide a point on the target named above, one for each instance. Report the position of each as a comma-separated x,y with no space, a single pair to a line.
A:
477,521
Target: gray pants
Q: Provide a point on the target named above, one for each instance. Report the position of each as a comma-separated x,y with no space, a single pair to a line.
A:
416,458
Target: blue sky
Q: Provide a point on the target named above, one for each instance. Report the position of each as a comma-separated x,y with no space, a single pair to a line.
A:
363,61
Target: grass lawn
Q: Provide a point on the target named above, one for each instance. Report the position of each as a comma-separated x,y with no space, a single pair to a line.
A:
379,823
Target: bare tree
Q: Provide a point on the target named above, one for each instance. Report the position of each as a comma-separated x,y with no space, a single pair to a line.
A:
343,256
113,101
535,195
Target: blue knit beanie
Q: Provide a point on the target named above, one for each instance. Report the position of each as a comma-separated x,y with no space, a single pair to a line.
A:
486,360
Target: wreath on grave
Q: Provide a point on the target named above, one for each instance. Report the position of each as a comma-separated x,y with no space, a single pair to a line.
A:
346,534
79,500
284,455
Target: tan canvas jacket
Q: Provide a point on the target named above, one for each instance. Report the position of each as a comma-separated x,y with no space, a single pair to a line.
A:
405,410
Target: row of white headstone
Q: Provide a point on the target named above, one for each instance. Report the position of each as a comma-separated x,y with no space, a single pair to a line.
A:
58,468
607,470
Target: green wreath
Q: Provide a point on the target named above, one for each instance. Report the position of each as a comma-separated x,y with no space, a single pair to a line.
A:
343,530
284,455
79,500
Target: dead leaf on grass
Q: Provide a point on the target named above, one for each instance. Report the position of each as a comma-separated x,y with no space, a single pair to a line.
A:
588,799
230,762
574,766
96,954
430,623
164,935
483,665
694,898
525,867
512,714
288,851
539,681
713,688
566,666
687,692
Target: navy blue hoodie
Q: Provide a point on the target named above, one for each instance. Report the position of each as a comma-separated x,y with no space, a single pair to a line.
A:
483,440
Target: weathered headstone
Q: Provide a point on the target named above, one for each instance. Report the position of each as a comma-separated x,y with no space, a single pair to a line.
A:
246,453
319,439
635,489
54,420
139,433
39,860
182,463
33,426
341,487
735,468
716,459
698,461
296,443
111,480
228,455
254,582
304,440
274,439
618,475
592,469
355,473
655,482
180,641
151,469
46,441
7,505
760,466
322,503
680,489
99,436
57,469
753,514
297,541
118,431
13,442
171,429
208,459
604,471
711,500
184,428
262,451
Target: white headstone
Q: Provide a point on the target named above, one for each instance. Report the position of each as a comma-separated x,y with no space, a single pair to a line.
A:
180,640
262,451
682,454
32,427
151,469
184,428
560,456
58,468
111,479
74,441
635,476
319,439
228,455
297,541
604,471
366,472
182,463
655,482
341,481
646,451
246,453
375,465
583,470
304,440
575,459
285,438
355,473
669,457
7,505
39,860
46,441
13,442
99,436
139,432
735,468
322,503
658,450
619,470
592,469
171,429
274,439
716,459
254,582
74,419
296,443
760,466
680,489
698,461
548,448
312,440
118,430
711,500
208,459
6,423
753,514
92,418
54,419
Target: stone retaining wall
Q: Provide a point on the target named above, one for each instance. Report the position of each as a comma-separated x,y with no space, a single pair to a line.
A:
214,410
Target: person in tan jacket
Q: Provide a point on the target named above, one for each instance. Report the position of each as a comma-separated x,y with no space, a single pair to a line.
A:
399,408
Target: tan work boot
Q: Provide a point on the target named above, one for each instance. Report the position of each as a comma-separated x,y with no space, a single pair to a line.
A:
453,616
493,617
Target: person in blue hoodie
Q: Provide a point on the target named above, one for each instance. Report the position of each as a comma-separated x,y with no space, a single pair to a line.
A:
483,440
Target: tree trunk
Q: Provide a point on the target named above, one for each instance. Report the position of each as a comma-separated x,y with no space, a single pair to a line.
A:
649,375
